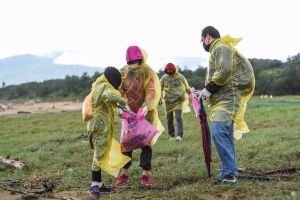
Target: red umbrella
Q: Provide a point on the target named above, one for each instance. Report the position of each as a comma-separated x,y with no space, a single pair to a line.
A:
206,138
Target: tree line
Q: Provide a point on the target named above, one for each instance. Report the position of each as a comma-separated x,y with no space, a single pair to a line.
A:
273,77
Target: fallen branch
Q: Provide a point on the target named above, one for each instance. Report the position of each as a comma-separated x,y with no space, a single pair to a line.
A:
281,171
46,192
11,190
268,175
15,163
68,198
254,177
24,112
249,172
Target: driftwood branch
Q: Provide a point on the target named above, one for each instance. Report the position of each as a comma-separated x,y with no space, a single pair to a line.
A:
281,171
11,162
268,175
11,190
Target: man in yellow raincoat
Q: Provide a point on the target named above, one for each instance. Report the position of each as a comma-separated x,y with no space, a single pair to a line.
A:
141,87
100,128
228,87
175,94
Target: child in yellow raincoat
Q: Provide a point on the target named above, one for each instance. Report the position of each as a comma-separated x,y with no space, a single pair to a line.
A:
100,128
175,94
141,87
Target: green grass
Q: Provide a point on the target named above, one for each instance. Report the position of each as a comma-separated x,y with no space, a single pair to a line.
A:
54,147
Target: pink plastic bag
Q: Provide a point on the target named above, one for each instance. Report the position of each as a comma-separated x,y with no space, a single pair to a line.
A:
136,131
195,103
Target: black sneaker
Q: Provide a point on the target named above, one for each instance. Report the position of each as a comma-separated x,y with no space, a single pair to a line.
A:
229,179
226,179
105,189
94,192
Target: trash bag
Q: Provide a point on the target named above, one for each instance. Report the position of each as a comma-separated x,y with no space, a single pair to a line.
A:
195,103
136,131
87,108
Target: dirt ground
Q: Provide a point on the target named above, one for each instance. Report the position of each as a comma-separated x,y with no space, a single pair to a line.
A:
65,195
43,107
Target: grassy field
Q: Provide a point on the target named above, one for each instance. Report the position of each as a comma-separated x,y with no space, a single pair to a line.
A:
55,149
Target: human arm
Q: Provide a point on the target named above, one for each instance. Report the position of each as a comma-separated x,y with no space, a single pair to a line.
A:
223,64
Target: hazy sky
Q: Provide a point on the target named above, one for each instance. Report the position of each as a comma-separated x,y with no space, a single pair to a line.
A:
99,32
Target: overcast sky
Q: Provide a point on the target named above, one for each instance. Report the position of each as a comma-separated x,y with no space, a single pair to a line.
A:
99,32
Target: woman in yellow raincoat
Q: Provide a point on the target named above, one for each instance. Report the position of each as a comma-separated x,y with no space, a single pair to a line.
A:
229,85
107,154
175,94
141,87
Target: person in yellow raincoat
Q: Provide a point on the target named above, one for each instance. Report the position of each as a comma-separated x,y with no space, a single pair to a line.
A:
100,128
141,87
175,94
228,87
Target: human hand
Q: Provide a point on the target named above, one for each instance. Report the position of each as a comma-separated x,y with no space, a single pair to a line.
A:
203,93
145,111
193,90
127,109
119,111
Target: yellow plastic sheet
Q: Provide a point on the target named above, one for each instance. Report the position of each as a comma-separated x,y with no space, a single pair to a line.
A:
113,160
87,108
231,70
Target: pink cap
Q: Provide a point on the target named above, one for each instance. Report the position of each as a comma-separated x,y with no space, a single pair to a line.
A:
133,53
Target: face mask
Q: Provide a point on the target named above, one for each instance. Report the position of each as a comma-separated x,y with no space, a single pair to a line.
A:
206,47
134,66
170,72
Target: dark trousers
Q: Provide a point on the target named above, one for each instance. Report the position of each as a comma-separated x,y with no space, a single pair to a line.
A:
145,158
178,117
96,176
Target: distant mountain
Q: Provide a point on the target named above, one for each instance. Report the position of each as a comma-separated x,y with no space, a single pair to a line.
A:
190,62
28,68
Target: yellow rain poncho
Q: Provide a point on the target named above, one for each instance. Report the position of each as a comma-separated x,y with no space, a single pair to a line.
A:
175,90
141,87
234,73
107,151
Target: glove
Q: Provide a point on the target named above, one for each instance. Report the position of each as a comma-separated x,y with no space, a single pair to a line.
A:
203,93
126,109
145,111
193,90
119,111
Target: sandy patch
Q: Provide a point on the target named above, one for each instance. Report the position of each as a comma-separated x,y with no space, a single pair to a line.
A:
43,107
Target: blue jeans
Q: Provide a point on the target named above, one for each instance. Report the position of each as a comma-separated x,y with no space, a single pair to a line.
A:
223,139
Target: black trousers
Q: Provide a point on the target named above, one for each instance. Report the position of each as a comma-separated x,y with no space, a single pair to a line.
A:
178,117
145,158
